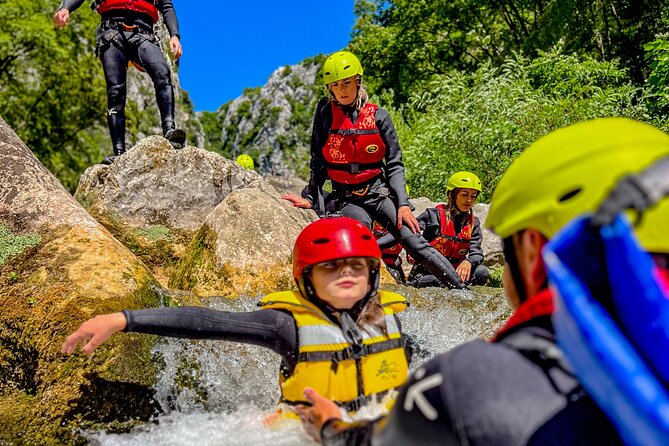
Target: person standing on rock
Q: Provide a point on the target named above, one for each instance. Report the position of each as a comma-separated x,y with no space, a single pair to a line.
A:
126,35
354,144
338,333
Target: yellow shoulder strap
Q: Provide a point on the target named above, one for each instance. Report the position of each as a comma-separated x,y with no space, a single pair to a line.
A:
396,302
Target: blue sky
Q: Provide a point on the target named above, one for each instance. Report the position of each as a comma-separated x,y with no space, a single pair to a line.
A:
232,45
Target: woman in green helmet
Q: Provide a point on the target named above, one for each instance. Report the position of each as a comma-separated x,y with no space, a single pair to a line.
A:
354,145
455,232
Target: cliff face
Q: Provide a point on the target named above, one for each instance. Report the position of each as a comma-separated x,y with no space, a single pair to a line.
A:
272,123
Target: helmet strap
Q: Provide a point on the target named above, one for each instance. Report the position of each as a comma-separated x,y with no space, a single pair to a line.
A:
509,251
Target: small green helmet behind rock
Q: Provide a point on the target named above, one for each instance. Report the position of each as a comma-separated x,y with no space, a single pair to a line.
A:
569,172
463,180
340,65
245,161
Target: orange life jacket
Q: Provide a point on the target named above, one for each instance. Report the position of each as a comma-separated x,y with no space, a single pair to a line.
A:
453,247
148,7
354,153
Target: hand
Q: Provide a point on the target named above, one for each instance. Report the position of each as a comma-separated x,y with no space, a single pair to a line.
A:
464,270
314,417
94,332
61,17
175,47
405,216
297,201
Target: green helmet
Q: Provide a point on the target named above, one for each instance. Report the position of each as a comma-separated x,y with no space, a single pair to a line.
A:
245,161
340,65
463,180
652,230
569,172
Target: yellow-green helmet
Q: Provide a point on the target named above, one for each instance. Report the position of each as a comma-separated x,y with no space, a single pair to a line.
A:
569,172
652,230
340,65
463,180
245,161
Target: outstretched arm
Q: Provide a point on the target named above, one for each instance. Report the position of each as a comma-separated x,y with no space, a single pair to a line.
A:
94,332
271,329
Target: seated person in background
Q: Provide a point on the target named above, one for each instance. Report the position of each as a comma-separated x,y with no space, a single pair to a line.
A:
454,231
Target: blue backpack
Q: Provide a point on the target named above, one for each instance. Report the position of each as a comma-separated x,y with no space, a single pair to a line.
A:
612,322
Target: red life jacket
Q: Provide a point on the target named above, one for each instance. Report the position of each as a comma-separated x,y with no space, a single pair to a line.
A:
354,153
148,7
388,255
453,247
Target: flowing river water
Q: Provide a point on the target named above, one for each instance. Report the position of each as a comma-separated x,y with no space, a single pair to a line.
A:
224,393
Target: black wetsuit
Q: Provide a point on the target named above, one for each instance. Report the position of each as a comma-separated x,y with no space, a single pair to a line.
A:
117,46
420,277
386,193
272,329
516,391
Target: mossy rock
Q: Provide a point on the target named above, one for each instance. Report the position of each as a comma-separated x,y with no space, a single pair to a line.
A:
72,275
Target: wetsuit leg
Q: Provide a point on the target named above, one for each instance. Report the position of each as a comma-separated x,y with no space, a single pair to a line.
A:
357,213
383,210
115,66
480,275
151,58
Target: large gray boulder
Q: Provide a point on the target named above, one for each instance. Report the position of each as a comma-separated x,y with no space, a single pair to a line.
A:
248,241
154,184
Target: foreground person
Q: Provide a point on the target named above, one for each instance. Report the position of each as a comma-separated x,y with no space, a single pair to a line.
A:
517,389
338,334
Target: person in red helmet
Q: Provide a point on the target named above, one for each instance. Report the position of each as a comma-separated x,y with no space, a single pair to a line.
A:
338,333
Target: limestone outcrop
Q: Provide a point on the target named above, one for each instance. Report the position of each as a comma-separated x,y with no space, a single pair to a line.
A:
67,269
244,245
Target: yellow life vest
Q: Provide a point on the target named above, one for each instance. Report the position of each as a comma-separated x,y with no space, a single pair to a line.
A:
345,373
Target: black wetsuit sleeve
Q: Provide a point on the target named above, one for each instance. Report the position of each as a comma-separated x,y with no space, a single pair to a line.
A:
394,168
271,329
420,416
319,135
170,17
71,5
475,254
429,223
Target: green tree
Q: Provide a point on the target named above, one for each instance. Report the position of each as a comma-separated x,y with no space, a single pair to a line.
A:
482,121
51,86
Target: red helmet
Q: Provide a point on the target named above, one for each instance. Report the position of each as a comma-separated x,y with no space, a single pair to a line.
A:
334,238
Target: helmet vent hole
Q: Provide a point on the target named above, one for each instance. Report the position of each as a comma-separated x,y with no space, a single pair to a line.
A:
321,241
569,195
366,237
347,67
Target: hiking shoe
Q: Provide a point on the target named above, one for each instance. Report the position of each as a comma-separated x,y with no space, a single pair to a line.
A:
109,160
176,137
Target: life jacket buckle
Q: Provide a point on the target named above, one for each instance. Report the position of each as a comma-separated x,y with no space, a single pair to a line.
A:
354,167
360,192
132,28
